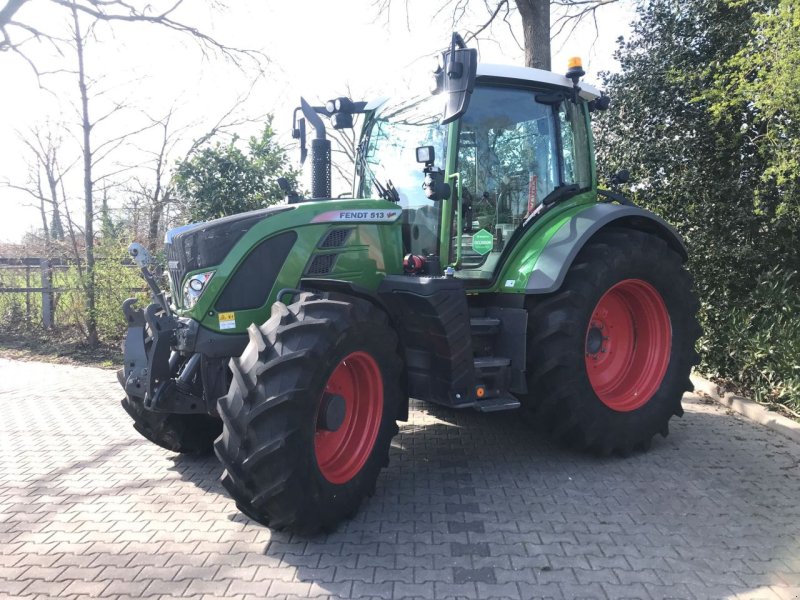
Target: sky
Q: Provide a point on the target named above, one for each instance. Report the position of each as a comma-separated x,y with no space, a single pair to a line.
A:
316,48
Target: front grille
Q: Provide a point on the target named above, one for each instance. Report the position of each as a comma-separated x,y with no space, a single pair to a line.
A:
176,271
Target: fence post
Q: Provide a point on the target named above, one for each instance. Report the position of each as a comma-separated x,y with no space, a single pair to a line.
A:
27,295
47,293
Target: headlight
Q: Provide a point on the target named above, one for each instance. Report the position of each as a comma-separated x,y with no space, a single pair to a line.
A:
194,287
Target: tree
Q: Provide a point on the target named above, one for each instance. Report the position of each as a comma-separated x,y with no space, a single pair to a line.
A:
700,154
534,19
82,19
18,27
765,74
44,178
222,179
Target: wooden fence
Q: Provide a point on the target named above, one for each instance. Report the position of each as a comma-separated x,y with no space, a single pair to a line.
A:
44,268
39,276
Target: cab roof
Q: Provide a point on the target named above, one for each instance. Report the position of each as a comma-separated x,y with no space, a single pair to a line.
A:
588,92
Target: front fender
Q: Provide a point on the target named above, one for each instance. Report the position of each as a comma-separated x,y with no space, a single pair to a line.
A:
556,257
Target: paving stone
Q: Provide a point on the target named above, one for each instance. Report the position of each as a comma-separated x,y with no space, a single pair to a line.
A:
482,575
471,506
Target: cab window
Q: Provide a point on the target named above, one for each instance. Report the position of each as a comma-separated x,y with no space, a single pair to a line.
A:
512,152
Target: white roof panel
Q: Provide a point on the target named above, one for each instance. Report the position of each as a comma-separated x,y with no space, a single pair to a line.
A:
589,92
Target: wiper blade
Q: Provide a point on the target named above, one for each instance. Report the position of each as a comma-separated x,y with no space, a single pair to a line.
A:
560,193
389,192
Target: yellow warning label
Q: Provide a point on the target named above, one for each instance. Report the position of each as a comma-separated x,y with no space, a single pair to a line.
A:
227,320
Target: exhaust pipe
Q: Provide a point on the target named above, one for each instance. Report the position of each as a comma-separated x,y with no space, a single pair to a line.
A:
320,154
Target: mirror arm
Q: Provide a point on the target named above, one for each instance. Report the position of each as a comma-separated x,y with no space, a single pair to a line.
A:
614,196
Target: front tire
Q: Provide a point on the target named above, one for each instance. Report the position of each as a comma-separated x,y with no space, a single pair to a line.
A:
310,414
610,352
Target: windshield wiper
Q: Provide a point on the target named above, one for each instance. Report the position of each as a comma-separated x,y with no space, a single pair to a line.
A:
389,192
559,193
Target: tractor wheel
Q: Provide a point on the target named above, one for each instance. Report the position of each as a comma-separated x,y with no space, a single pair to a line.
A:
610,352
187,434
310,413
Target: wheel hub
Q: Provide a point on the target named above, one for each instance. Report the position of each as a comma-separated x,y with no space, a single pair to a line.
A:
332,411
594,339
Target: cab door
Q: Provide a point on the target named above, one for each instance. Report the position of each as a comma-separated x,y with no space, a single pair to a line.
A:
515,147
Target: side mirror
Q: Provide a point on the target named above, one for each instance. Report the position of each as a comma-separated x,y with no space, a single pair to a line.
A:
601,103
456,78
620,177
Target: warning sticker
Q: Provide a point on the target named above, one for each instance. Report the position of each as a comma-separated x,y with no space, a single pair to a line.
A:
227,320
363,216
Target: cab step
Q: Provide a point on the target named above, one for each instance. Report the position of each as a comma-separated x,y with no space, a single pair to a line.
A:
503,402
490,364
484,326
492,376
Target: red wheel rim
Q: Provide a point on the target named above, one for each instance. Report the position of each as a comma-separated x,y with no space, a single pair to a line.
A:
341,454
628,344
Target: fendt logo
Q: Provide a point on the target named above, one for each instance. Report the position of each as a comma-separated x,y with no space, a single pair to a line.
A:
363,216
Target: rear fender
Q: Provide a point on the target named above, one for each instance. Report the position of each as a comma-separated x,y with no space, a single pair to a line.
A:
557,256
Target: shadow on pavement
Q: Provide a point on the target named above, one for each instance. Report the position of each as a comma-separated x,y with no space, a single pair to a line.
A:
474,503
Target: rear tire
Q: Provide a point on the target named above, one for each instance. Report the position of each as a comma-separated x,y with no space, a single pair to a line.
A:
186,434
310,414
610,352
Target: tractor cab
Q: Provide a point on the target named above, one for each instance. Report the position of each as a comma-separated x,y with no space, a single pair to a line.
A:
519,146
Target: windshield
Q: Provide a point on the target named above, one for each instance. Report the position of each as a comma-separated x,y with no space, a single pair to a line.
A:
388,154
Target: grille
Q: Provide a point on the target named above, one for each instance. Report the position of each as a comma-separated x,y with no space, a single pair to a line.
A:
335,238
176,270
322,264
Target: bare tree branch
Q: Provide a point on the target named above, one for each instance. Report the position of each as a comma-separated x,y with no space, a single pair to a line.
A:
482,28
533,15
16,33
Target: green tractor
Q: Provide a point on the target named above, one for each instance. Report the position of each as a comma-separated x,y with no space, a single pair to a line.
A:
476,265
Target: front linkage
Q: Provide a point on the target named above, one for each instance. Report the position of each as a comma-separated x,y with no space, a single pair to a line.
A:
161,378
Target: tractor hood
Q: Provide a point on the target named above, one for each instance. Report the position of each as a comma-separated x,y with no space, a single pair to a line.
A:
206,244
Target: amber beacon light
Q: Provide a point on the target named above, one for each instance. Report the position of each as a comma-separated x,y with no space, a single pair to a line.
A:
575,68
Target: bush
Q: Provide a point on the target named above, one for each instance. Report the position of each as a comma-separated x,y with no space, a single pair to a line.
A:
757,342
115,278
710,169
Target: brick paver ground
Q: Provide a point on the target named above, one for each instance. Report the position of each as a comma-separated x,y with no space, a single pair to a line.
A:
472,506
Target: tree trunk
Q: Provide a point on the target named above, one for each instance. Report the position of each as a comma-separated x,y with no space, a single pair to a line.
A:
157,205
88,232
56,229
535,16
41,208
